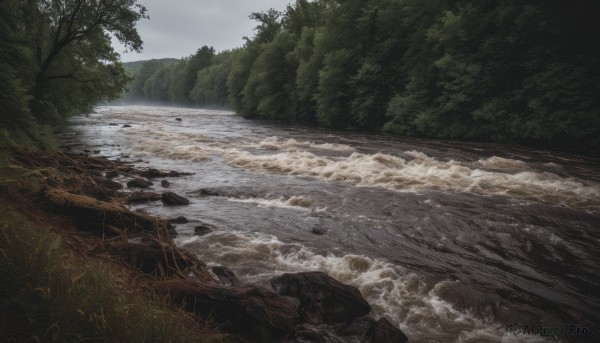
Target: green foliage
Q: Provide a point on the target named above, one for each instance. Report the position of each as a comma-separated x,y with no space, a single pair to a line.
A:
56,58
510,70
211,82
333,95
271,79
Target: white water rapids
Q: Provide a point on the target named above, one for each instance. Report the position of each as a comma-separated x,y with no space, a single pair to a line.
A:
452,242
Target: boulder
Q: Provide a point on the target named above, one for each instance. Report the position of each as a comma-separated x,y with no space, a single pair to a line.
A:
178,119
249,311
165,184
384,332
126,125
322,298
202,230
226,276
170,198
179,220
139,183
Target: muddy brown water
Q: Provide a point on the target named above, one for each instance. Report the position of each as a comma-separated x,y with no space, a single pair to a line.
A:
451,241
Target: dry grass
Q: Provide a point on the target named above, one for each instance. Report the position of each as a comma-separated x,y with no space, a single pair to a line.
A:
48,293
54,288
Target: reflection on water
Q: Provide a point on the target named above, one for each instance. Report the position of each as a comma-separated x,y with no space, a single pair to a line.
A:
450,241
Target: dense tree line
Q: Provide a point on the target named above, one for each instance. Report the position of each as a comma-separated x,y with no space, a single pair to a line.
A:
56,58
505,70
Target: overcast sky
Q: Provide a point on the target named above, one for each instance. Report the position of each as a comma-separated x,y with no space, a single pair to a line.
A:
177,28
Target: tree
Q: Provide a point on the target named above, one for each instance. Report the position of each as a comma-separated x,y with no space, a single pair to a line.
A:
72,49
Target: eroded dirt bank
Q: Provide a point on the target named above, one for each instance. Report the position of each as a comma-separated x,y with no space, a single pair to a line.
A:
75,196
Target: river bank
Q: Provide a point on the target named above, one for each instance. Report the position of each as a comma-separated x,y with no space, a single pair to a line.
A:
74,200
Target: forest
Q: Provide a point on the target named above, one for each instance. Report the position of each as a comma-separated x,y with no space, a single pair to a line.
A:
56,60
501,70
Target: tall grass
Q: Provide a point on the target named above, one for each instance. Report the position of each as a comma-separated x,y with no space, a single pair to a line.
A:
48,294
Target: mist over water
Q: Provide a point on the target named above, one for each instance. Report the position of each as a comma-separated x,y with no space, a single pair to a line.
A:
451,241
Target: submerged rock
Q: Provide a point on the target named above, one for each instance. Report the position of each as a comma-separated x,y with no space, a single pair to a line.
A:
178,119
323,299
126,125
139,183
170,198
318,230
202,230
154,173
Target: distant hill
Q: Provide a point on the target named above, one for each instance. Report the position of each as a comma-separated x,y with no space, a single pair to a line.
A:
134,67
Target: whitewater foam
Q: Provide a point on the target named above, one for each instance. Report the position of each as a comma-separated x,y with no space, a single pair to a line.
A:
294,202
400,295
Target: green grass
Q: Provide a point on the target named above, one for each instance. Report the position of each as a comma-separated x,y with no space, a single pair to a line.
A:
48,294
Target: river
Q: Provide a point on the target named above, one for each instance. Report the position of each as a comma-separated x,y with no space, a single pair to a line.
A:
451,241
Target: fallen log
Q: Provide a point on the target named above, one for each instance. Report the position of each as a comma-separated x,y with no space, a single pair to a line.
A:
250,311
96,216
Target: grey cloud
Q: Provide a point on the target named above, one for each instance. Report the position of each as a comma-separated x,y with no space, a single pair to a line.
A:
177,28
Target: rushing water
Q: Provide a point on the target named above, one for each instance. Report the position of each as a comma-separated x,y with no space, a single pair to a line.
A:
451,241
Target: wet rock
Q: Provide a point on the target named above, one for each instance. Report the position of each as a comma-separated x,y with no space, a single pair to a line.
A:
249,311
96,151
179,220
209,192
111,174
126,125
384,332
318,230
86,150
322,298
113,124
202,230
358,327
226,276
178,119
139,183
155,173
137,197
170,198
165,184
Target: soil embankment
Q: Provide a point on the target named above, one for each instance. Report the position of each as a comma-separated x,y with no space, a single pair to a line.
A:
76,197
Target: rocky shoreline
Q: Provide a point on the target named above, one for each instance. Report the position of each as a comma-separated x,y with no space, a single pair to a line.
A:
300,307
